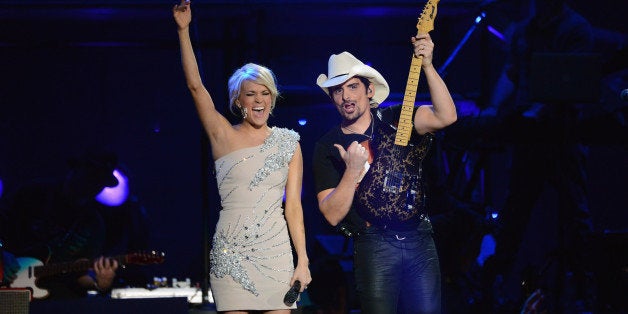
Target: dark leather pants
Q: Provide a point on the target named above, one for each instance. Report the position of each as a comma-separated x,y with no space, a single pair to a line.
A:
397,272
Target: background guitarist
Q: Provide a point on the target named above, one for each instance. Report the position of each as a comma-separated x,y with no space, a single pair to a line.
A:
56,221
395,260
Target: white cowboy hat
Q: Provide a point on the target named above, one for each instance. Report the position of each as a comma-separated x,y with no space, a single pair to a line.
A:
343,66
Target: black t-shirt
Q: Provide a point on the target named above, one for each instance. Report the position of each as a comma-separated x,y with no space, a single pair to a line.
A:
329,167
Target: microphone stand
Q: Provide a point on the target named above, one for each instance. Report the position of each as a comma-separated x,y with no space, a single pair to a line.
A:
477,21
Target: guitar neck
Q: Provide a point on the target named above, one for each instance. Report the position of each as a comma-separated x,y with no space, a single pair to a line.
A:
404,128
70,267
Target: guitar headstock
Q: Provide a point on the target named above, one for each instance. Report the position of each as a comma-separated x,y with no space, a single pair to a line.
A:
145,258
426,20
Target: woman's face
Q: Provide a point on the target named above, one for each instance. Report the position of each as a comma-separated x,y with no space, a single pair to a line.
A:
256,99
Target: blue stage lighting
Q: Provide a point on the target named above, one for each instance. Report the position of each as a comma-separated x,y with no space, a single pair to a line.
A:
494,215
486,249
116,195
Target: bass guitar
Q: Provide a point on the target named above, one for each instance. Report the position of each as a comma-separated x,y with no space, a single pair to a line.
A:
391,190
32,269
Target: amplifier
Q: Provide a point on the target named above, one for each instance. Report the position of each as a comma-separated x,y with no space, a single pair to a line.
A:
14,301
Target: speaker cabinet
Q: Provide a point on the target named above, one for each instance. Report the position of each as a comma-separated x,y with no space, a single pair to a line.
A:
14,301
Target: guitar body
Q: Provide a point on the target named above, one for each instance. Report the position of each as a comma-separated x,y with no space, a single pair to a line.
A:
26,277
391,192
32,269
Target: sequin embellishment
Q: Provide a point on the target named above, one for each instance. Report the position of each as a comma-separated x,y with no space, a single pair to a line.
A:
286,140
226,261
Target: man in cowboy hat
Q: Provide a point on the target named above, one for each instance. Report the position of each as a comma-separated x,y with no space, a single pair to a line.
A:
395,260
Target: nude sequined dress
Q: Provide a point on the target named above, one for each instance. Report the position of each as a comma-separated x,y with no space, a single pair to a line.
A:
251,257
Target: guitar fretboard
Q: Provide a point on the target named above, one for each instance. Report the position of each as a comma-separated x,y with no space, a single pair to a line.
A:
70,267
404,128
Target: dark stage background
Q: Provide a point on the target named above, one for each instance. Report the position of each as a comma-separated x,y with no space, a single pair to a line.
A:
77,73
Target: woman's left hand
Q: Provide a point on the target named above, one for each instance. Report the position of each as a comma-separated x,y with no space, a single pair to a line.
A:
302,274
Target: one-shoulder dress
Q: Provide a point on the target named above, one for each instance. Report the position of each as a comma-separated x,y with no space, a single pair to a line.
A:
251,256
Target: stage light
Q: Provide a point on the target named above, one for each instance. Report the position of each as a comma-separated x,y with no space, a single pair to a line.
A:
491,213
479,18
302,121
487,249
496,33
116,195
1,188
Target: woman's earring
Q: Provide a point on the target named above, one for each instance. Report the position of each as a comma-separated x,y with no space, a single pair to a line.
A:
244,113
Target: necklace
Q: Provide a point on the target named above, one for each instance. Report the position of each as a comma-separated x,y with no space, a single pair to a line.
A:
370,136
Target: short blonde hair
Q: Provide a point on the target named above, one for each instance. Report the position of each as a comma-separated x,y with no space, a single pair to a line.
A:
255,73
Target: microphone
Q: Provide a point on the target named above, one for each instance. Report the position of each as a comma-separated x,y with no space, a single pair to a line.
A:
293,294
624,95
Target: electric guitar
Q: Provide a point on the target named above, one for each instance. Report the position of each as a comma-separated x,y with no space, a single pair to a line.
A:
32,269
391,191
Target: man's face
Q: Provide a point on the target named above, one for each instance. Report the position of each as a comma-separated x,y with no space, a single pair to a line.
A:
352,98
